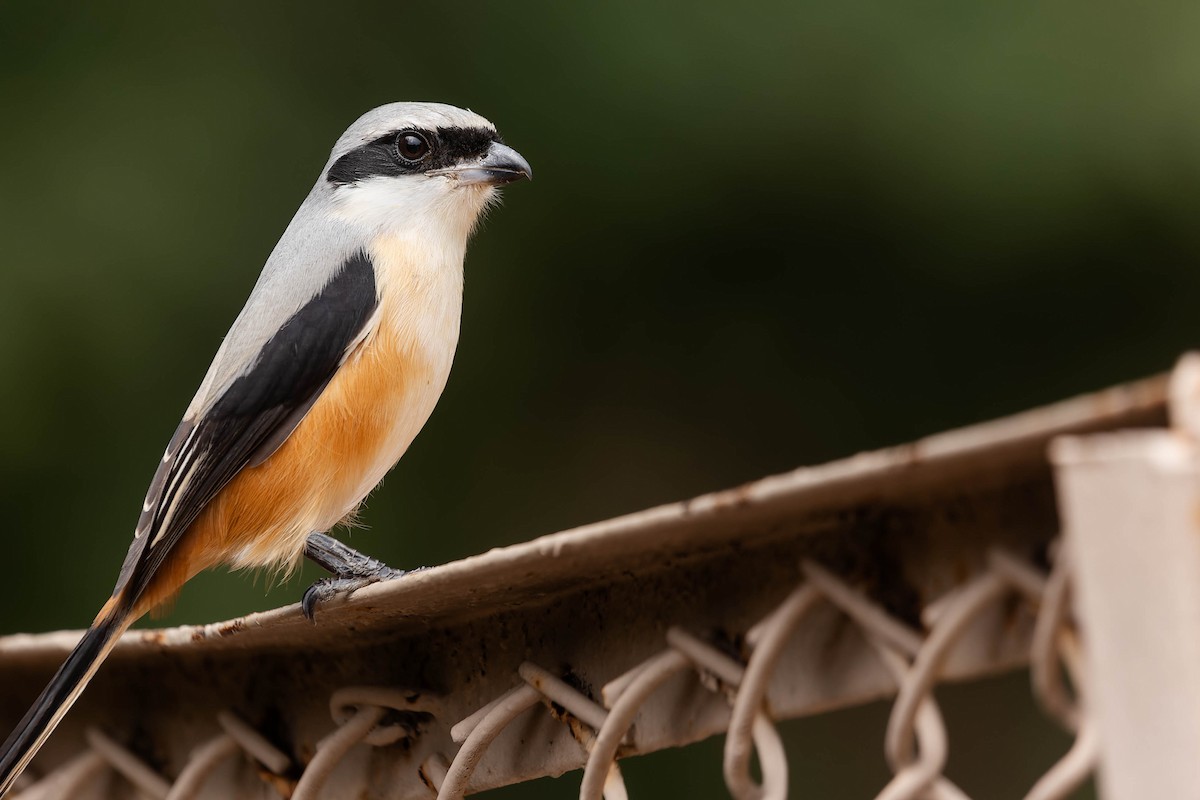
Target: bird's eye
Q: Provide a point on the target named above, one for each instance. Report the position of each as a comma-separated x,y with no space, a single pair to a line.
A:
412,146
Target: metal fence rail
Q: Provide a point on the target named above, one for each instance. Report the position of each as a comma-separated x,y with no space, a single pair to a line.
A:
915,743
882,574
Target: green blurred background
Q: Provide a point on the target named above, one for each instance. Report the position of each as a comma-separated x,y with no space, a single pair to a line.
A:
762,234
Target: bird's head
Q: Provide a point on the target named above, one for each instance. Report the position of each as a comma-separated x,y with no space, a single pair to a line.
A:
410,166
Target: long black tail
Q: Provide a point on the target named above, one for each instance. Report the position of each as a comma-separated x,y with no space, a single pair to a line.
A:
43,717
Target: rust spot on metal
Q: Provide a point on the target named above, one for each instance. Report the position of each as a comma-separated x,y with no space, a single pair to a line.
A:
231,627
286,787
428,781
559,713
220,631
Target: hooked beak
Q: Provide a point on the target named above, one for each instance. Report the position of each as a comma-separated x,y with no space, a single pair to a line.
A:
501,165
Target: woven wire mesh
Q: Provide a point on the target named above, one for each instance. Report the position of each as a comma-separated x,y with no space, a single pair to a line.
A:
915,742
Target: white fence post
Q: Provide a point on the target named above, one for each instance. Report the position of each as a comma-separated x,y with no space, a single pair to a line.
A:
1130,504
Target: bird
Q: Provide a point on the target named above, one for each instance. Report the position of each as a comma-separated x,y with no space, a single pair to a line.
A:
326,376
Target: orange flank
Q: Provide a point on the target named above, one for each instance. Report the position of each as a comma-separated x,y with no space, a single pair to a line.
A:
317,477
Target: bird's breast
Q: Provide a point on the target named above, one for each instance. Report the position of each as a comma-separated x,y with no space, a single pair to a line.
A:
406,360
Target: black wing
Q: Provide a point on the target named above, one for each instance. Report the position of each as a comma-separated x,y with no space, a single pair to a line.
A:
252,418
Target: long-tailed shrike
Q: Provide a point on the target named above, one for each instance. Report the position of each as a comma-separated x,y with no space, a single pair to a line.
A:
328,373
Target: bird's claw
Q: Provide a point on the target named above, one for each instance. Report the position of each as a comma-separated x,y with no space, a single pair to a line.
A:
328,588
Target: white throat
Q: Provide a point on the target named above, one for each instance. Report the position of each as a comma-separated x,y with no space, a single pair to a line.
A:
413,207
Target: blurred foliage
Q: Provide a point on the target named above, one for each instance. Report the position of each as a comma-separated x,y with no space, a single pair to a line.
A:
762,234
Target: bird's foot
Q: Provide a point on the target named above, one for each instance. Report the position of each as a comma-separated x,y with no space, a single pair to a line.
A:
326,589
351,570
